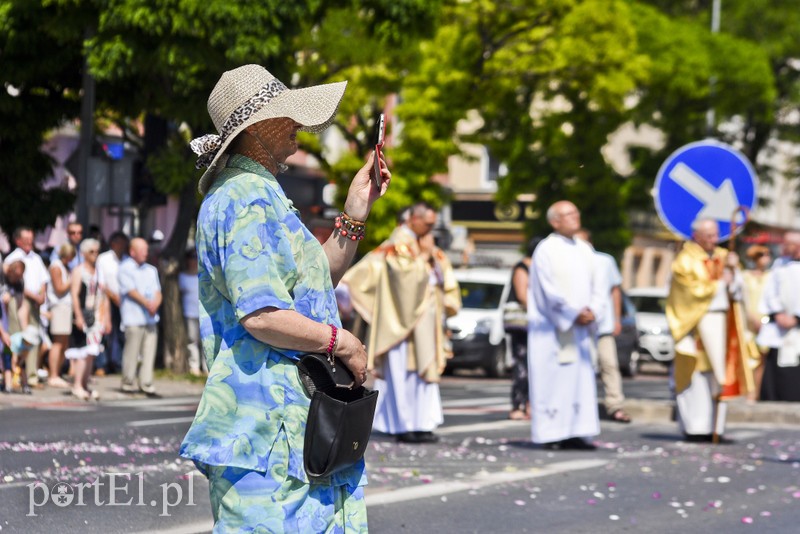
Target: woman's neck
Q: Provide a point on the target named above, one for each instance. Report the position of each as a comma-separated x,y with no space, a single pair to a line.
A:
248,146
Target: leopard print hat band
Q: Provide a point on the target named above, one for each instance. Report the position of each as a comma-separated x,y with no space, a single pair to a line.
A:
249,94
207,146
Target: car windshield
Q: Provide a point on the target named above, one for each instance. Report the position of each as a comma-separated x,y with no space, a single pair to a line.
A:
649,304
481,295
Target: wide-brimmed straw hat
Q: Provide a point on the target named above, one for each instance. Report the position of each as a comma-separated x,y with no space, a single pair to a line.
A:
250,94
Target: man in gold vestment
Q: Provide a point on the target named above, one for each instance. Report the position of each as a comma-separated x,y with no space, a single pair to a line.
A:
704,316
403,290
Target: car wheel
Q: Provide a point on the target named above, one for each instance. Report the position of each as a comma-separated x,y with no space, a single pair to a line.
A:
496,367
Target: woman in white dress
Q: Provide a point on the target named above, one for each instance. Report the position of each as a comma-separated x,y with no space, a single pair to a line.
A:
91,319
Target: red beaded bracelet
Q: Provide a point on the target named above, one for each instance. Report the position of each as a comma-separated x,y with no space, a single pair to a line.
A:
349,227
332,344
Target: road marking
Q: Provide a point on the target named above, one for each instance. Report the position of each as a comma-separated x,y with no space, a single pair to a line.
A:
62,407
481,480
194,528
168,421
478,427
145,403
476,402
173,408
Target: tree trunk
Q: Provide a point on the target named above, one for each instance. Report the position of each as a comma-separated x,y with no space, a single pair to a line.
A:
173,325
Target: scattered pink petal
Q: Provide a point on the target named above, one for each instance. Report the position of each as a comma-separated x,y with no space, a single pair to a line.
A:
747,520
765,514
591,501
519,502
656,495
796,494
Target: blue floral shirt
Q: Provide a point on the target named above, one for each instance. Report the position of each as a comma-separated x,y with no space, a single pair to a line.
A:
253,252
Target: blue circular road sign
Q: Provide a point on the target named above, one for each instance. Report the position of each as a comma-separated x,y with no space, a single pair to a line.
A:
704,180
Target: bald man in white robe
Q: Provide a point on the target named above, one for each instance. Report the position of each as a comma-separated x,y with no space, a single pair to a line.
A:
565,297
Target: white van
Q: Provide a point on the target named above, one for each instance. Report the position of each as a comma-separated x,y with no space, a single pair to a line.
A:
479,339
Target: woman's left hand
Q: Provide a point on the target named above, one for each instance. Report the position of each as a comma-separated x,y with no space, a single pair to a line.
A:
363,193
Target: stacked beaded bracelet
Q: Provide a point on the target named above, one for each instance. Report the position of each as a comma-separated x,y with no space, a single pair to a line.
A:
349,227
332,345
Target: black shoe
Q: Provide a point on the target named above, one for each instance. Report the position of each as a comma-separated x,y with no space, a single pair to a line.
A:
697,438
407,437
578,444
426,437
552,446
722,440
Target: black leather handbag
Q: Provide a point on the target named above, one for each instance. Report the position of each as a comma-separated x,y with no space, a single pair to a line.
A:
339,418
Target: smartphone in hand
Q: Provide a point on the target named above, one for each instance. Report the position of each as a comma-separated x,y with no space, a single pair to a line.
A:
378,147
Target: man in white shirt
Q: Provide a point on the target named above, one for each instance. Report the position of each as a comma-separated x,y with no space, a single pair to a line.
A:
565,299
74,236
140,290
35,279
189,286
107,271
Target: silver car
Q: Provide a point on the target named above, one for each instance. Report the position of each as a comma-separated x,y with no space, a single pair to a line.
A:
655,340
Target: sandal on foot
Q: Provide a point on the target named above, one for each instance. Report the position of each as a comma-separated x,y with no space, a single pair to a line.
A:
517,415
57,382
620,416
81,394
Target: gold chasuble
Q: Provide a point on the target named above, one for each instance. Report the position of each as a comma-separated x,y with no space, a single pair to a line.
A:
695,279
391,288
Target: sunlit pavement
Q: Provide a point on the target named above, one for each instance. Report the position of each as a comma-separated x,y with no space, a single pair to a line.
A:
483,476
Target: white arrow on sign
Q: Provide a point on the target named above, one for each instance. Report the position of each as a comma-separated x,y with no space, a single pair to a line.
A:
718,203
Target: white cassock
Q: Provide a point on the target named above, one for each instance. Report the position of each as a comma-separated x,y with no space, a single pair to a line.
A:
781,295
406,403
781,380
563,281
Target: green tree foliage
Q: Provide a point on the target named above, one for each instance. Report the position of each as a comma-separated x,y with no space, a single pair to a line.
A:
686,57
548,80
551,80
40,65
162,58
376,54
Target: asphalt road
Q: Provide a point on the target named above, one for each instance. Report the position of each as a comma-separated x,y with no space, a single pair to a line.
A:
484,476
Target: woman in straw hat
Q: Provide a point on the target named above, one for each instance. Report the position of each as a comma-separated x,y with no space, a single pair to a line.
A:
267,295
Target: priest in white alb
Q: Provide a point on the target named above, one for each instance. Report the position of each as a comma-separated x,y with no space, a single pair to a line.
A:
780,303
565,297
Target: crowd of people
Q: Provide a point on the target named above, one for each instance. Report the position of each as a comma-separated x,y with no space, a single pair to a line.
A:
267,294
731,327
85,309
735,332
